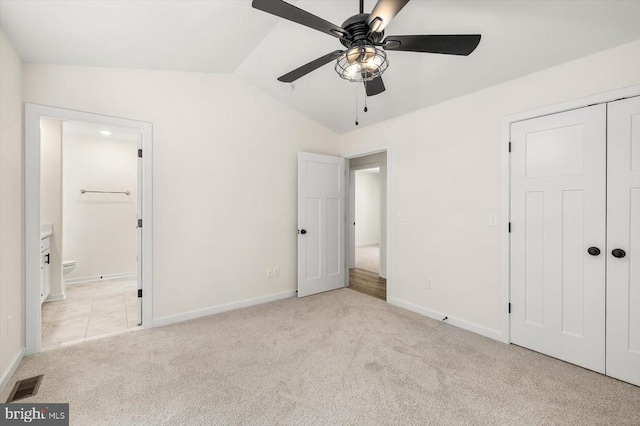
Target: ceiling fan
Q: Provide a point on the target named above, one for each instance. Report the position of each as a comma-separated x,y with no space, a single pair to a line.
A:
364,59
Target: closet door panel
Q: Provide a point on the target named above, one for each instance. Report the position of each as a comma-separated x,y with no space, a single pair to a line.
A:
558,191
623,233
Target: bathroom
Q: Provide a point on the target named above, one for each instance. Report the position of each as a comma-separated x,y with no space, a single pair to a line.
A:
89,186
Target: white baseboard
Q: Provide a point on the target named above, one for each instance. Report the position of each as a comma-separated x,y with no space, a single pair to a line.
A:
100,278
478,329
55,297
13,366
172,319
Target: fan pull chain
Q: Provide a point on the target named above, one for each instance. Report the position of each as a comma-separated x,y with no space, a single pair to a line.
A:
357,123
365,103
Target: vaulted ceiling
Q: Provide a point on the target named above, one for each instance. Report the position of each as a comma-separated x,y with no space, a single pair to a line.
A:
518,37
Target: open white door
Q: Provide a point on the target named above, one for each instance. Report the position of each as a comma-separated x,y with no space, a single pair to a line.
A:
623,240
321,219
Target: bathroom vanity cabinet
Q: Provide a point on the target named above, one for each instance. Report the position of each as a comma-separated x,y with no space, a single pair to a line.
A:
45,268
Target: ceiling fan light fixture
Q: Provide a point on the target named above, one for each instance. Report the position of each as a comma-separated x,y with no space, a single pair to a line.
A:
362,63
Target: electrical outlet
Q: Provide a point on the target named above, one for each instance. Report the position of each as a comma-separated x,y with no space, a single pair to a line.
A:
9,324
493,219
269,272
276,271
429,284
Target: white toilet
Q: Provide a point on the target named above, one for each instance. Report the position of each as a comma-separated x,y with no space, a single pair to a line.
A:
68,266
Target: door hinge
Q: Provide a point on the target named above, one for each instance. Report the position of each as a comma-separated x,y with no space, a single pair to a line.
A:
139,223
509,146
140,153
509,308
139,292
509,227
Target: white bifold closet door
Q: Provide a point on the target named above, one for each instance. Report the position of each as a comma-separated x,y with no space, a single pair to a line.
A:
575,241
558,212
623,234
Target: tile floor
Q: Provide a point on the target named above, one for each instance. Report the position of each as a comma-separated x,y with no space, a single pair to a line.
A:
90,309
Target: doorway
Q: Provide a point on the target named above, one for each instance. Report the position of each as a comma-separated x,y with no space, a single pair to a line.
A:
367,224
88,205
88,225
326,234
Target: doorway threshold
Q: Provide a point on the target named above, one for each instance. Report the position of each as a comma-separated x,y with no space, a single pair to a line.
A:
91,338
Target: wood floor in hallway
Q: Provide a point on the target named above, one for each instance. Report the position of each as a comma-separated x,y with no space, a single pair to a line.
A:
368,283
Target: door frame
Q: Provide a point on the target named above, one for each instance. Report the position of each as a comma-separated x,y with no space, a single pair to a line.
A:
389,231
32,115
505,181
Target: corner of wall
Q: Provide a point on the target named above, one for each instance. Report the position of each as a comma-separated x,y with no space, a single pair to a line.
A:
332,134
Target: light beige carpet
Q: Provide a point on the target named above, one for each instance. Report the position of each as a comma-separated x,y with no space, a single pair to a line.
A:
337,358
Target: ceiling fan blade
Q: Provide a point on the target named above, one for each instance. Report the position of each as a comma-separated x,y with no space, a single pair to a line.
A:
311,66
451,44
302,17
383,13
374,87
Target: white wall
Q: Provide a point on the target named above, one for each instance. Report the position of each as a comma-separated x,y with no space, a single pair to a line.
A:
51,195
224,175
445,167
11,211
367,208
99,229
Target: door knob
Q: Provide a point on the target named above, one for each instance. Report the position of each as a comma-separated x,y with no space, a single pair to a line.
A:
593,251
303,231
619,253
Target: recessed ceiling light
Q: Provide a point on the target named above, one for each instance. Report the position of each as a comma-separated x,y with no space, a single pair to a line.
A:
105,133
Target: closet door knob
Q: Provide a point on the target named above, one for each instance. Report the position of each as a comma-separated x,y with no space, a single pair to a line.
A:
593,251
619,253
303,231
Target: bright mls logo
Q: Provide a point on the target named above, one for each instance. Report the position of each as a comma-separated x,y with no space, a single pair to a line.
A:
40,414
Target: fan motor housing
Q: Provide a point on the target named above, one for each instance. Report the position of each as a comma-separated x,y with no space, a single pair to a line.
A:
358,31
